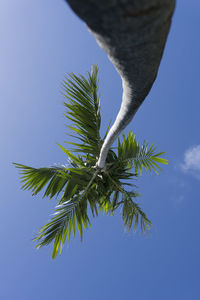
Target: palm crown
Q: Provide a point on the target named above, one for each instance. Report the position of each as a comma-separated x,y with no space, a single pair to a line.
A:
81,184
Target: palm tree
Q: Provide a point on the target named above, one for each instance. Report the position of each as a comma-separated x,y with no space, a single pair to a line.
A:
81,184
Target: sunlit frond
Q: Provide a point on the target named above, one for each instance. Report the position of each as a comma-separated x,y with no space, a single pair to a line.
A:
130,152
67,215
83,109
54,178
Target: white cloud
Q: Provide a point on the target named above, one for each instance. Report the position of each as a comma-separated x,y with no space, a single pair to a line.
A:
191,162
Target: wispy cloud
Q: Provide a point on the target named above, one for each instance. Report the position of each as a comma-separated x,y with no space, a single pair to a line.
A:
191,163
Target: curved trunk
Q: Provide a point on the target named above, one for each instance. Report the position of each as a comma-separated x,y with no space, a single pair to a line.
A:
133,34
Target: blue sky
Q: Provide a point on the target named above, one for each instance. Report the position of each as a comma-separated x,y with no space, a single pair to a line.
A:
40,42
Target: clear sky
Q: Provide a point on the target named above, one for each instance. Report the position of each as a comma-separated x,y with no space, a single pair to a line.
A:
41,41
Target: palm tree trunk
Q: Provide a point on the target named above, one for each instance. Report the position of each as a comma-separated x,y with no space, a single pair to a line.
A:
133,34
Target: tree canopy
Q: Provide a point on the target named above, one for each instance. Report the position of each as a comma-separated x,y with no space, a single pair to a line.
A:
80,185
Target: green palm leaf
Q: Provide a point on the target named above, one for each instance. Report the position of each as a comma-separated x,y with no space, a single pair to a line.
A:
64,221
130,152
83,109
55,178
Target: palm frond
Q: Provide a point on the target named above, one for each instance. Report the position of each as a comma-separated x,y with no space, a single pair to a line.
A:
64,221
132,212
83,109
55,178
130,152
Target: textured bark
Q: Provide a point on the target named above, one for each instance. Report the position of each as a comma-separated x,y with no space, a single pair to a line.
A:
133,34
